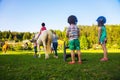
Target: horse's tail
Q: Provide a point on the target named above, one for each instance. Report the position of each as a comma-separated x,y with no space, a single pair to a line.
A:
49,41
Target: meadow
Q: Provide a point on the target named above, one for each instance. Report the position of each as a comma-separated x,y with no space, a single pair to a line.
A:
21,65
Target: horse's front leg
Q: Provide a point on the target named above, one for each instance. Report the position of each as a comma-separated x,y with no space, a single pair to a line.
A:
38,47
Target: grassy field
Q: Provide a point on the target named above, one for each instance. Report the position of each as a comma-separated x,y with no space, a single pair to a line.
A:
22,66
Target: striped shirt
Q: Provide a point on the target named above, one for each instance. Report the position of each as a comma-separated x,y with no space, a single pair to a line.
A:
73,32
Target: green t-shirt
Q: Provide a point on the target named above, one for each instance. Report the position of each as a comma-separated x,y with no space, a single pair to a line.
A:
103,34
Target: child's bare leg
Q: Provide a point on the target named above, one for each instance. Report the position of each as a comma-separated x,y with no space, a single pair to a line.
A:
104,50
72,56
79,55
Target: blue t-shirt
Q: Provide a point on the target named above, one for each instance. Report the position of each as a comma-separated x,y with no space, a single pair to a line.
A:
55,38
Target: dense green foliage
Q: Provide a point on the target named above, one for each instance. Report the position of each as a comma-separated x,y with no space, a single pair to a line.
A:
22,66
88,38
17,36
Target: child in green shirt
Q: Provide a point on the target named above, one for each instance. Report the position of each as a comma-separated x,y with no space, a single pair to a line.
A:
102,34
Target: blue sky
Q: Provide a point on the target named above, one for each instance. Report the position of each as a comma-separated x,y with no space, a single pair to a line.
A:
27,15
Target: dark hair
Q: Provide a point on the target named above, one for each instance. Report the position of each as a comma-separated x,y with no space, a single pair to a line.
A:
43,24
72,19
101,20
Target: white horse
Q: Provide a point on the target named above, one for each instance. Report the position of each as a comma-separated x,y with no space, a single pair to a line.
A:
45,39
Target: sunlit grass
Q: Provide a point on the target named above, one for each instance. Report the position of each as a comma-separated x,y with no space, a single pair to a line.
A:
61,51
21,65
101,51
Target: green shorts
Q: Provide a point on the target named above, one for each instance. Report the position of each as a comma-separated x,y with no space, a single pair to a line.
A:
74,44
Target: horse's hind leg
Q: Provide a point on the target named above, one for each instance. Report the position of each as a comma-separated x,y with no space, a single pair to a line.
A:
46,56
45,49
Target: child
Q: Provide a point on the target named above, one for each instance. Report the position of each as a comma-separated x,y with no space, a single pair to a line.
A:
73,34
102,34
42,29
55,44
35,48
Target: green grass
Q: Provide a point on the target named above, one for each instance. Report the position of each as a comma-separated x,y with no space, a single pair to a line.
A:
22,66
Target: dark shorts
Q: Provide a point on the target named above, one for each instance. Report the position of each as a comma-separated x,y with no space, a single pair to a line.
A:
35,49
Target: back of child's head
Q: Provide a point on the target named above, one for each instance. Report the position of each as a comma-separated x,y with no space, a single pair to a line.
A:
72,19
43,24
101,20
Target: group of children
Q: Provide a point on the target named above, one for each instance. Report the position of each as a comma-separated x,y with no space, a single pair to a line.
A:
73,34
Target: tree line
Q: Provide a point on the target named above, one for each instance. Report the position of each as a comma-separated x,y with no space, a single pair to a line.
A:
88,36
16,36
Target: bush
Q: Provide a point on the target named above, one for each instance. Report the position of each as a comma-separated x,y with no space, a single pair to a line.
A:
96,46
115,46
11,48
18,47
29,48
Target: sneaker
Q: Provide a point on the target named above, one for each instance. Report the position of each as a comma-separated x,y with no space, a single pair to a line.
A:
104,59
71,62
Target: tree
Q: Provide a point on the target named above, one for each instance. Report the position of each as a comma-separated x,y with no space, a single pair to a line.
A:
84,43
0,35
10,37
26,35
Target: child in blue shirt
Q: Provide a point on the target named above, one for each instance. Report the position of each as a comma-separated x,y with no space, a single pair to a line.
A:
55,43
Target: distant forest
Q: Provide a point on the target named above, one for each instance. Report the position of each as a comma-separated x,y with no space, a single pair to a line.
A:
88,36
